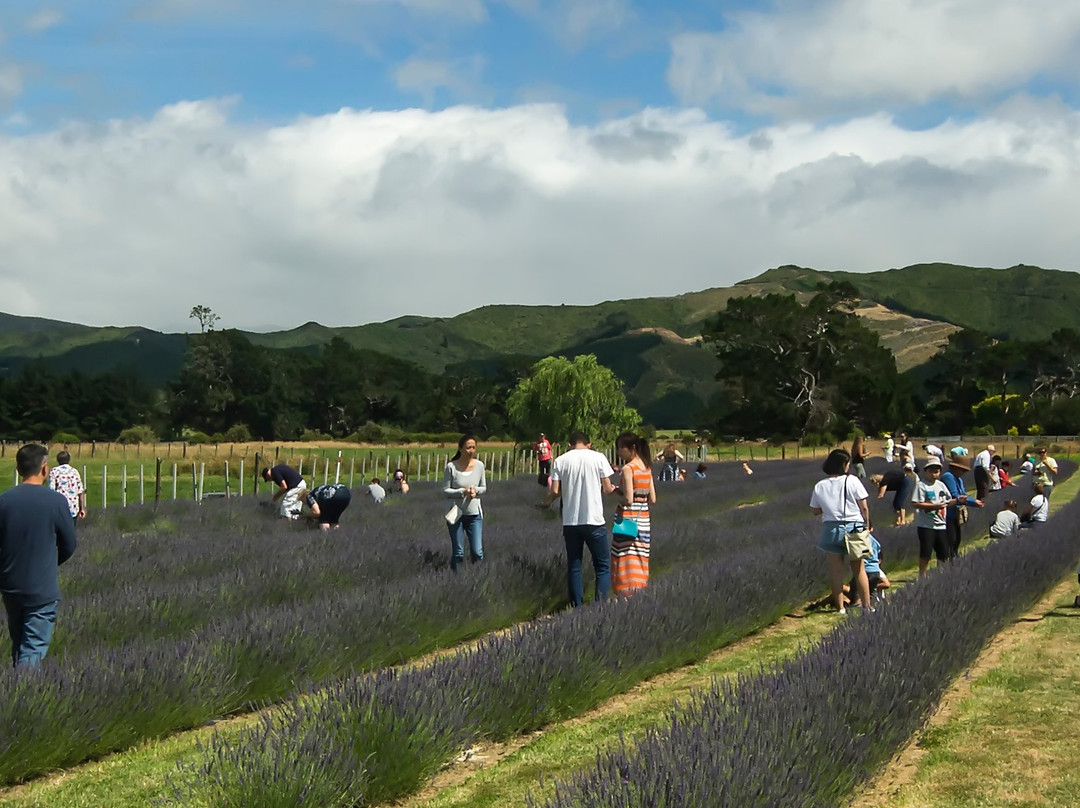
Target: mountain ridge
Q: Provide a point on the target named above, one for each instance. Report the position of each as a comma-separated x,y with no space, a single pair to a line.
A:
652,343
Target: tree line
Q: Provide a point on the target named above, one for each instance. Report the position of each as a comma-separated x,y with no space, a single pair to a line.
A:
789,370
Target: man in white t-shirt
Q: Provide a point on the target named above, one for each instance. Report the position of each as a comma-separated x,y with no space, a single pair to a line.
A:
581,477
981,467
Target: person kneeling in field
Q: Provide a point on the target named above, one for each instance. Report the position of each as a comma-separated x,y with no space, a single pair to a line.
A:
327,503
1007,522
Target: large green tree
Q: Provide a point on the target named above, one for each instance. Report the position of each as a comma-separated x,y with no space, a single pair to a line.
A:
790,368
561,396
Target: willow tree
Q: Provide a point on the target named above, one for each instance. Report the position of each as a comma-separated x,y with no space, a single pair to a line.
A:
561,396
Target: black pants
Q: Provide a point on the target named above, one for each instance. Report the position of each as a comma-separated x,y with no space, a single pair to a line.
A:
545,467
952,532
982,482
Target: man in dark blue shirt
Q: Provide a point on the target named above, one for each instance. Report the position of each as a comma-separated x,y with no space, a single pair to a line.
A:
327,503
37,535
289,486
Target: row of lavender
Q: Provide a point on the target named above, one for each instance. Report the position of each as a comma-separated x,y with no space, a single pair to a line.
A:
809,732
167,573
376,738
229,611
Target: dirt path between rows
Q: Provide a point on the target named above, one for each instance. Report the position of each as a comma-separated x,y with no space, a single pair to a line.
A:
904,767
488,754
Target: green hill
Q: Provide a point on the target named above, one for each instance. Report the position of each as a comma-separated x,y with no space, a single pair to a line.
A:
651,343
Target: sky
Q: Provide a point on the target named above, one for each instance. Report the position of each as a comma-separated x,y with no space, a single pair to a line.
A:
352,161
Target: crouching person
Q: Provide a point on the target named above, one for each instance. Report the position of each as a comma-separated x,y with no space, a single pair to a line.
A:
289,486
876,578
326,504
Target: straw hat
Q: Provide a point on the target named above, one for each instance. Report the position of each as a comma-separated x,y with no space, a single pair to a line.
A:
956,465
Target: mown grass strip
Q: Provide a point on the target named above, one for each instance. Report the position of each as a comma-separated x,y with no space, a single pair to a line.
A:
1012,739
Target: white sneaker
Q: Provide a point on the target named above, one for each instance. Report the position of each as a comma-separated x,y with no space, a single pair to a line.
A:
842,610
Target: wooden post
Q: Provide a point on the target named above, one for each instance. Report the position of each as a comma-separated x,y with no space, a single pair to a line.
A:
123,487
255,480
325,471
352,468
142,496
226,478
194,483
93,447
202,479
240,477
175,476
300,468
783,452
104,485
157,482
363,468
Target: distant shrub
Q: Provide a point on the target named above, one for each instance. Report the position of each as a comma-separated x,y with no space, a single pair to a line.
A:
985,429
1013,432
1035,429
137,434
239,433
64,437
195,437
313,435
818,439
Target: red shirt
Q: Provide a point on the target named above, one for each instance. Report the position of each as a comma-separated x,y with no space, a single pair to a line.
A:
542,449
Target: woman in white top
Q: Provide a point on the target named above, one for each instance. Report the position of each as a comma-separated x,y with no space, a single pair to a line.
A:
464,482
840,500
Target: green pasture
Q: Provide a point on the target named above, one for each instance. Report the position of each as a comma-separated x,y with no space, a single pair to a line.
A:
117,474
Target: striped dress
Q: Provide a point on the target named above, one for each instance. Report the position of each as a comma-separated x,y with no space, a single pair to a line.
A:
630,556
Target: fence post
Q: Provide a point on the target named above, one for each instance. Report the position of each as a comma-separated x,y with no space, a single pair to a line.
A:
226,479
352,469
202,479
157,482
240,477
123,487
174,477
142,500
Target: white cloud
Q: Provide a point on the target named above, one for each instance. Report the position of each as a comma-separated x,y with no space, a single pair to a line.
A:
828,54
362,216
462,77
44,19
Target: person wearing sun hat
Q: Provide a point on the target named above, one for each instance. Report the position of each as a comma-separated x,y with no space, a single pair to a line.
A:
954,481
930,501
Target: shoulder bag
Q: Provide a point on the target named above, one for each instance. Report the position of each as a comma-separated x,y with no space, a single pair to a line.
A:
627,528
856,542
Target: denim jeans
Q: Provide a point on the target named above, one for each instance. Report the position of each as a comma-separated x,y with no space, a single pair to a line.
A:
473,527
595,537
31,630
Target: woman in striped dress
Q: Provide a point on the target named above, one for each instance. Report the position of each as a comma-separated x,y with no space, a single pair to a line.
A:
630,555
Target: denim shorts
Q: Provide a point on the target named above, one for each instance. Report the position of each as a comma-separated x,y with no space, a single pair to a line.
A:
832,536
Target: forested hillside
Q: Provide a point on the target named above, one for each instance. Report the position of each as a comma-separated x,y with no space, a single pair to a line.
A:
653,344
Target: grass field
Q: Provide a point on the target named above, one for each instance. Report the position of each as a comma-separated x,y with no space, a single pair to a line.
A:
117,474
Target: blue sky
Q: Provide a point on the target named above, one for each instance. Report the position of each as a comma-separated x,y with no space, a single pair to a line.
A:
559,150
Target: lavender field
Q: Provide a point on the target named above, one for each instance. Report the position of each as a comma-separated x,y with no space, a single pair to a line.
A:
178,616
